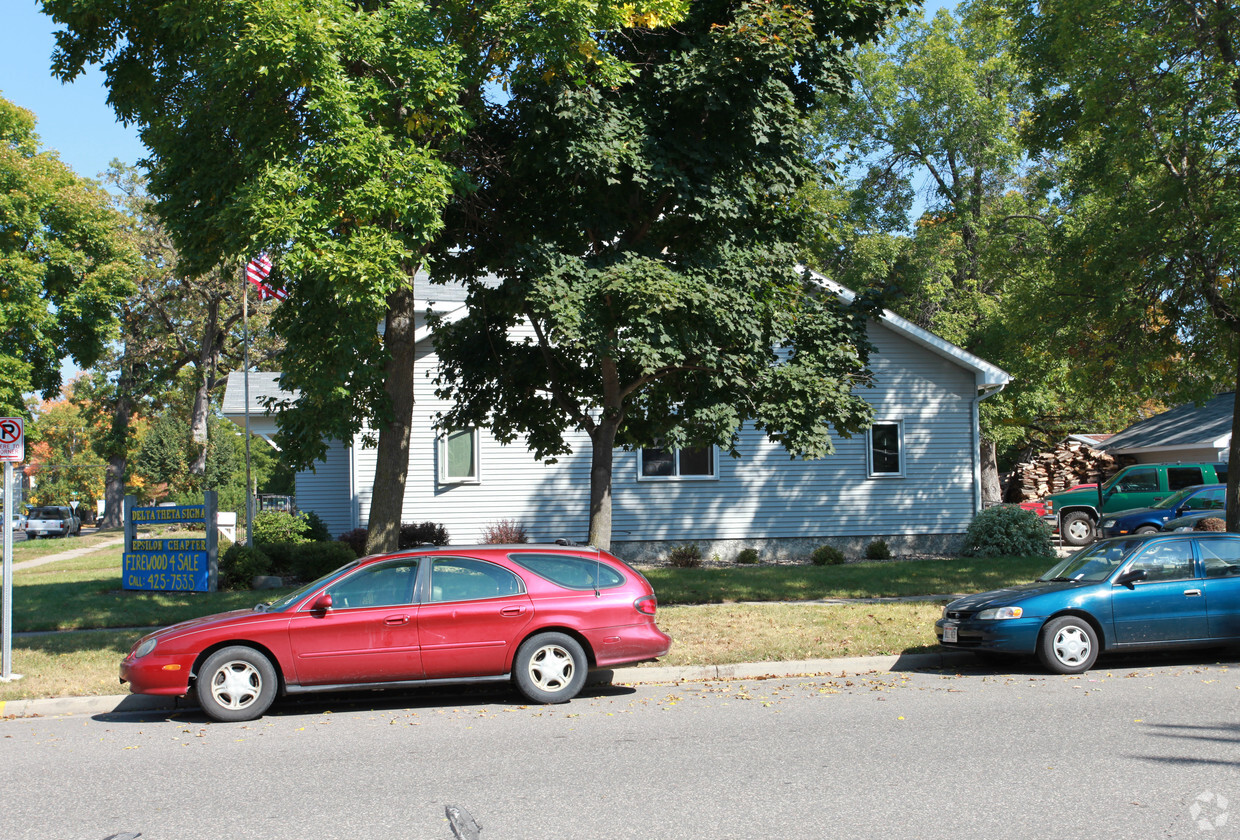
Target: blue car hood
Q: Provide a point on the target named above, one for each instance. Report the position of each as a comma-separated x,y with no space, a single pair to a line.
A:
1014,594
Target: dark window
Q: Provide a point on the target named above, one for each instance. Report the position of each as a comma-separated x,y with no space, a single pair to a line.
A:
1220,473
1180,477
1166,561
1139,480
691,462
569,572
464,579
885,449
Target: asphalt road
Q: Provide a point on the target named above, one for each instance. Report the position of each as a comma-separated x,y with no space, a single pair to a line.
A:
1142,749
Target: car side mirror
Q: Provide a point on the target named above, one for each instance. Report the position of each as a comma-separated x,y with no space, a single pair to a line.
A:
322,604
1130,577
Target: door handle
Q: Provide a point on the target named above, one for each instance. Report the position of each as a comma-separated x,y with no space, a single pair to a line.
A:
512,611
396,620
1192,592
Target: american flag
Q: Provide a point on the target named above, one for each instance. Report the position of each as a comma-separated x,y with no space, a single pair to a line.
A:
257,271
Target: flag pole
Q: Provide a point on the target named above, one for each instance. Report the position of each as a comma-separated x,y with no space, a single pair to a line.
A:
245,340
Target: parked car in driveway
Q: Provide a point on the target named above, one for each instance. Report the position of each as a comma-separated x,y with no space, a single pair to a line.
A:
1075,515
1147,520
1123,593
1188,522
1038,506
52,521
540,616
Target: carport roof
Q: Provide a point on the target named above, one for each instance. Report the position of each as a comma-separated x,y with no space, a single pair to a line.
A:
1189,425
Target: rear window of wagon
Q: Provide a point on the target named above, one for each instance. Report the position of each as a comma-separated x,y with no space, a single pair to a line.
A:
569,571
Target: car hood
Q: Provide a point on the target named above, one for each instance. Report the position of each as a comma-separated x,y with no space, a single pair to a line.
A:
205,622
1013,594
1141,511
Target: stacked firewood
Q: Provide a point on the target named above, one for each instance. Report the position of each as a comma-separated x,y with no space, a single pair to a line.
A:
1068,465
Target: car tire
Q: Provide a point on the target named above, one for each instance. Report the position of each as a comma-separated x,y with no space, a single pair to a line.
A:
550,668
1068,645
1146,529
236,683
1077,528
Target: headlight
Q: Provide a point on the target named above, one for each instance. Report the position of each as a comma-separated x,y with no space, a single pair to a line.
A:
1108,523
144,648
1001,612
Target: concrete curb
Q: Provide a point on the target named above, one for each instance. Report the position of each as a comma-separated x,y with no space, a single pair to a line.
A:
138,703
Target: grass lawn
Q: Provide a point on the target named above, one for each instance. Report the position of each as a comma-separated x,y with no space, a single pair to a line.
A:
84,593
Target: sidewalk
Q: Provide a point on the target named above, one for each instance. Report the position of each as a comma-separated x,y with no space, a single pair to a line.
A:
68,554
141,703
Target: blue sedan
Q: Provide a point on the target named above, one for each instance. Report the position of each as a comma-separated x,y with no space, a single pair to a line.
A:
1124,593
1201,497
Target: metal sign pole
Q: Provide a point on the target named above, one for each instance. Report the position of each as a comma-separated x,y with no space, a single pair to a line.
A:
6,650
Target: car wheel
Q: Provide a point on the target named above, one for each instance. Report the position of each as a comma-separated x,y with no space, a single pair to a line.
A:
1146,529
1077,529
550,668
1068,645
236,683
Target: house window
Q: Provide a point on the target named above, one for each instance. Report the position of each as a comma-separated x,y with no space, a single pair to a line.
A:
886,448
458,457
655,463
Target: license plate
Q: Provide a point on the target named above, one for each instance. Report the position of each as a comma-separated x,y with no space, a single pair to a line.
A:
949,634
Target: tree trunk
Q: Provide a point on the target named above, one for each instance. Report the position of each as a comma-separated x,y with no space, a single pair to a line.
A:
207,351
118,459
602,448
1233,459
387,499
992,493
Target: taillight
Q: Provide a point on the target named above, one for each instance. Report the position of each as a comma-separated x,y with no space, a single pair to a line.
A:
646,605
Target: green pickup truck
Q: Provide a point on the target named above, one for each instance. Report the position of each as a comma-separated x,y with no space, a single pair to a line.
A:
1075,513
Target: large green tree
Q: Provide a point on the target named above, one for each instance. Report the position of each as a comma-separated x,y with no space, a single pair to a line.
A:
929,193
65,266
645,238
323,132
1144,100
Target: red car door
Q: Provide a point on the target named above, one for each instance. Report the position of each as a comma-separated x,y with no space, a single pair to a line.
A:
471,619
369,634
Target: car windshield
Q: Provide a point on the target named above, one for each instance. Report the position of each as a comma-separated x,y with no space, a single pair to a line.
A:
288,600
1095,563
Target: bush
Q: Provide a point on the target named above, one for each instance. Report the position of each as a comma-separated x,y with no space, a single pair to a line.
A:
1007,531
747,556
877,550
827,555
240,564
356,540
279,526
412,535
685,556
504,532
307,561
316,528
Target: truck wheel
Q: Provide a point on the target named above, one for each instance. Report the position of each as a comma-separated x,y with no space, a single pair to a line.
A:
1077,529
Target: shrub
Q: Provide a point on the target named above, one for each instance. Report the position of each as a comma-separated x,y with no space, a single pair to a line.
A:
877,550
747,556
240,564
355,539
1210,523
427,532
1007,531
411,536
827,555
685,556
279,526
316,528
307,561
504,532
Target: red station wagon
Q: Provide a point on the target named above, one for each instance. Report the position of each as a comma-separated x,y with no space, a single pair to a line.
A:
538,615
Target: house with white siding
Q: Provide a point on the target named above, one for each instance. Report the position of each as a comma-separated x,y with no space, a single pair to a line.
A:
914,479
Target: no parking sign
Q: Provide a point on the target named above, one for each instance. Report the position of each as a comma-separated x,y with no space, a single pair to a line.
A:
12,439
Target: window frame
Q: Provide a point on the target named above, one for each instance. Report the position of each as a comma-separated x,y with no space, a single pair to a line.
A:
442,457
713,475
900,449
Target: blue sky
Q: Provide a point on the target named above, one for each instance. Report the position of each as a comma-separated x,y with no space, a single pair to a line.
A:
74,119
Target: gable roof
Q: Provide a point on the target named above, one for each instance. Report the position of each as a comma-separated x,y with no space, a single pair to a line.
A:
1185,426
987,377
